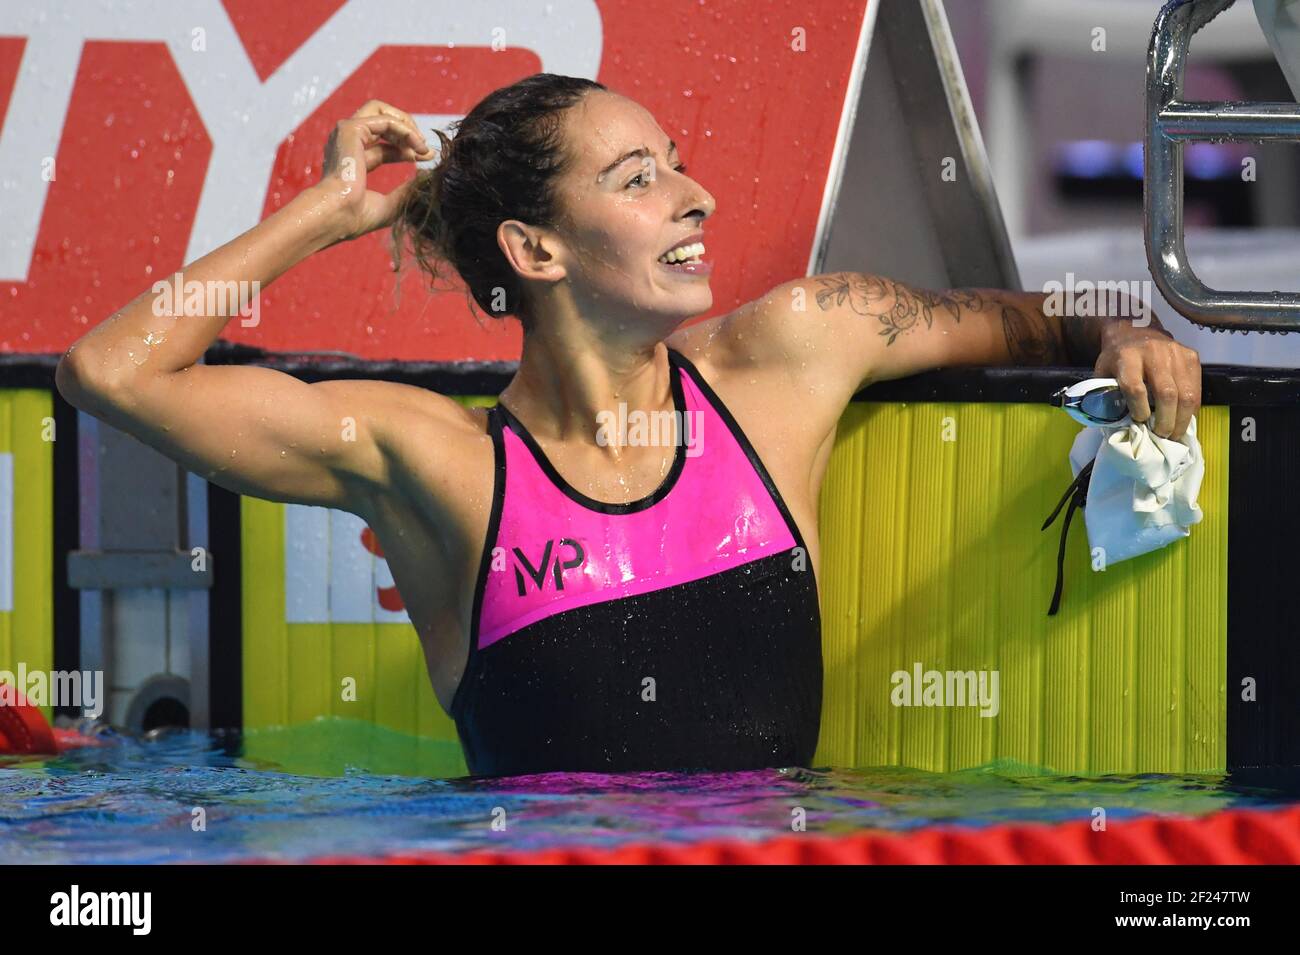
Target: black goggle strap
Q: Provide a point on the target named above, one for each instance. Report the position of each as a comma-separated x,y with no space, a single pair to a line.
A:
1077,495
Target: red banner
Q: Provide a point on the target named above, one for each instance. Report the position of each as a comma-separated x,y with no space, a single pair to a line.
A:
138,135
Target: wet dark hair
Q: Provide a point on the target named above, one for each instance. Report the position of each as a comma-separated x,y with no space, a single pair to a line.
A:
501,164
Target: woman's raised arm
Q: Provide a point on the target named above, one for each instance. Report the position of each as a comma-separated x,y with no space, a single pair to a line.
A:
254,430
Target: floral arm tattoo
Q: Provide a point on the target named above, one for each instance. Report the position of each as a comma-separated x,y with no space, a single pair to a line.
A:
1032,337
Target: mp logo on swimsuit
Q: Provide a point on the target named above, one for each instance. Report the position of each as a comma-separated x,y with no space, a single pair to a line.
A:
526,570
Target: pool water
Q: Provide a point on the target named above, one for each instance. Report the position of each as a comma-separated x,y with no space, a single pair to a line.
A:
339,787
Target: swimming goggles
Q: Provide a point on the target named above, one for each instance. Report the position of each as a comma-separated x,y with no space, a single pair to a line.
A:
1095,401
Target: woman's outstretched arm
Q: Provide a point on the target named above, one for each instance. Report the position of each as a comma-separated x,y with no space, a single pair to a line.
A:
869,328
253,430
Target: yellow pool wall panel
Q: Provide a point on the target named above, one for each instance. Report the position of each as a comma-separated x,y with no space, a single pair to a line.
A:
27,627
932,553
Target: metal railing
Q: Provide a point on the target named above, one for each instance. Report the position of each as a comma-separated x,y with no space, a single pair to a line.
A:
1170,124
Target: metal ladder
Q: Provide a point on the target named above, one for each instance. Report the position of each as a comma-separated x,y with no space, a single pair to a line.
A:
1171,123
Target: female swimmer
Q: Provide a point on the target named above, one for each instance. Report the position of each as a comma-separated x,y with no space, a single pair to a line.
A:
615,569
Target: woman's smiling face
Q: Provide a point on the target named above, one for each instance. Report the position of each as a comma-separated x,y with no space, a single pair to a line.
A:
626,202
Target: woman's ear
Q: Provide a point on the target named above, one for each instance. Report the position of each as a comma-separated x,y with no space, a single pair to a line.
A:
533,253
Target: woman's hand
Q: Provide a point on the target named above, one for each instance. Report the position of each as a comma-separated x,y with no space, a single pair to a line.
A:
376,134
1149,365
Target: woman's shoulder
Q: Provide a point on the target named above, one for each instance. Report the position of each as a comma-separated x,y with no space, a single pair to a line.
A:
758,337
768,361
401,409
440,450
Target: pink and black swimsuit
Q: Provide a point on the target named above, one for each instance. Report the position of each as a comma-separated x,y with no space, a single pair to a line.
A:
677,632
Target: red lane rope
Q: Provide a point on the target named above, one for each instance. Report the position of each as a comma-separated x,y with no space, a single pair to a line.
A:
23,727
1228,837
